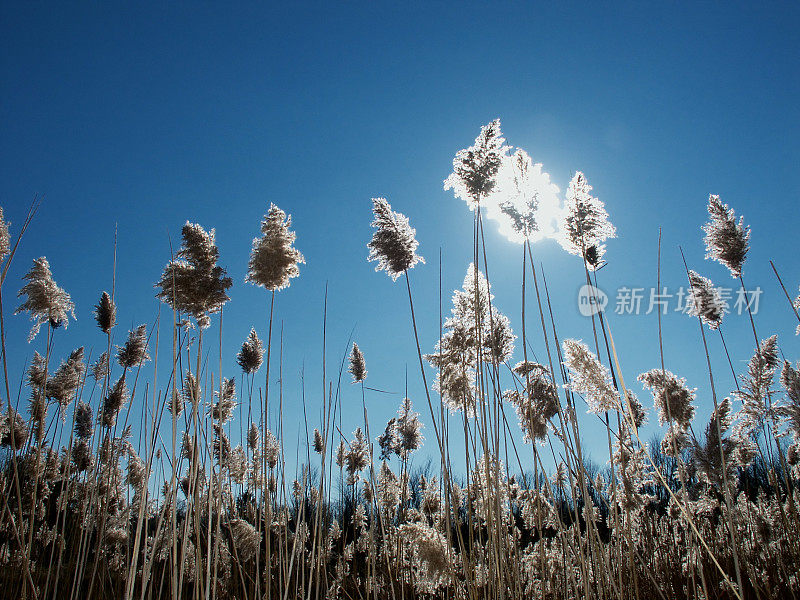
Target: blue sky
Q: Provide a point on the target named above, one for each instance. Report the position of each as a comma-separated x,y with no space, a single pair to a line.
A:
146,116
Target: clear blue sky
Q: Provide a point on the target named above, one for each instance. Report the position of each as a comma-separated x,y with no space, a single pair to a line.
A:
146,116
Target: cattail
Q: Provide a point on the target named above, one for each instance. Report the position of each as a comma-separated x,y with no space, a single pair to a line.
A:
251,355
5,240
475,168
726,241
45,301
115,400
273,259
99,367
105,313
193,282
134,352
319,443
84,424
538,403
671,396
394,242
589,377
358,368
705,301
584,223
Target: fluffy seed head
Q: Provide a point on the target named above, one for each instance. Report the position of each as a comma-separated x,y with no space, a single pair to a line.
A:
44,299
589,377
358,367
134,352
705,301
251,355
671,397
116,399
584,223
394,242
5,240
193,282
84,424
727,241
475,168
105,313
273,259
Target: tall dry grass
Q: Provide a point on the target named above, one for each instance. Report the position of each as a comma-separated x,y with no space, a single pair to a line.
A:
709,511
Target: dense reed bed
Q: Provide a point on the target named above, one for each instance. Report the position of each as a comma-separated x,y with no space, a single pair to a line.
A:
710,510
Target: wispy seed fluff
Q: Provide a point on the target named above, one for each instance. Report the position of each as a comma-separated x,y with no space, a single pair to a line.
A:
584,223
251,355
245,538
45,301
756,385
319,442
394,242
105,313
14,431
84,425
707,456
271,449
525,201
134,352
116,399
193,282
671,397
475,168
100,367
789,409
705,301
589,377
464,344
273,259
727,241
356,457
62,386
222,410
537,403
358,367
5,240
